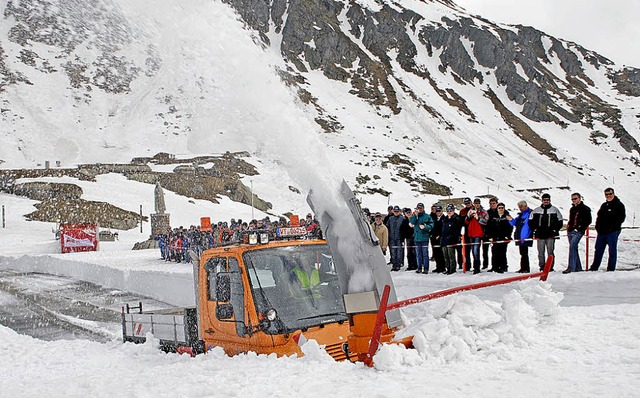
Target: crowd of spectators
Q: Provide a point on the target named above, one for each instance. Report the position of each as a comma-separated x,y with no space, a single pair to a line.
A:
471,237
176,243
476,239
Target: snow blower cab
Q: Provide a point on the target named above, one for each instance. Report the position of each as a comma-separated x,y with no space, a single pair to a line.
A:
271,297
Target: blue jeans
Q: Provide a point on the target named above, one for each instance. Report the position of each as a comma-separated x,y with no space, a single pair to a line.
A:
475,250
547,245
574,256
611,240
396,250
422,255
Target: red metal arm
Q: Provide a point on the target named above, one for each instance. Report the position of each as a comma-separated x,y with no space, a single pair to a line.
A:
377,330
442,293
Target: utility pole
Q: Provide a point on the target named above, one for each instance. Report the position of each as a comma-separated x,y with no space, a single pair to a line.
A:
140,218
3,225
252,199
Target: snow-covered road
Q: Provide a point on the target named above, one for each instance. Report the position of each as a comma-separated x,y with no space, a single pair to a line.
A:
577,335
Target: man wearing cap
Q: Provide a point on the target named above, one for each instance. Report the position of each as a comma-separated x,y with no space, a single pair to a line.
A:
389,214
438,255
451,225
545,223
468,206
475,221
368,215
422,224
381,232
412,263
396,238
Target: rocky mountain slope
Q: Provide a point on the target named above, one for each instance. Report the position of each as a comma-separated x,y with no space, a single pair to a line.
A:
408,98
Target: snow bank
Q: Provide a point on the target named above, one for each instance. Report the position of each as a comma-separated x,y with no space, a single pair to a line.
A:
460,327
569,357
134,271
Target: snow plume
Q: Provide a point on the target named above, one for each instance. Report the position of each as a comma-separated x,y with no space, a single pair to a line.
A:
244,96
460,327
240,103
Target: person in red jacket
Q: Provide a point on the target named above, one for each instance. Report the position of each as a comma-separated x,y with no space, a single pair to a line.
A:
468,206
476,220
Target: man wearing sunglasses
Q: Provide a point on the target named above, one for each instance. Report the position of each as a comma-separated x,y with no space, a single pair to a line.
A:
579,220
608,225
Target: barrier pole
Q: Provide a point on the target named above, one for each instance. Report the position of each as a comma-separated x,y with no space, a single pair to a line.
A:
586,260
464,255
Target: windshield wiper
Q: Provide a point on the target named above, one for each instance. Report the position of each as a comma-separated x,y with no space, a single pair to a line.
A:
322,315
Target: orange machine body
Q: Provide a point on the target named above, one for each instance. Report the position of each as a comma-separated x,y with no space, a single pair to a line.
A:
257,285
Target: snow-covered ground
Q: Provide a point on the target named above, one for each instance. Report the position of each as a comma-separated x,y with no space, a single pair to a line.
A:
576,335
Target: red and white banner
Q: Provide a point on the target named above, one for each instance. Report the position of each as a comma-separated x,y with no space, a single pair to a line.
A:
78,237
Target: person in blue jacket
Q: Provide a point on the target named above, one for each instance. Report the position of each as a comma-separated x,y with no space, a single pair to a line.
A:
422,224
162,243
523,234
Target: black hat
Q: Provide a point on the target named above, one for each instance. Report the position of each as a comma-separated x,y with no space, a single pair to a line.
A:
406,209
438,208
420,205
378,214
396,208
451,207
476,200
466,200
546,196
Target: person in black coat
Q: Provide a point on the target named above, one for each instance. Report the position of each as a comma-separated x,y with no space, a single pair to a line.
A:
608,225
412,263
492,212
450,238
397,224
500,234
438,255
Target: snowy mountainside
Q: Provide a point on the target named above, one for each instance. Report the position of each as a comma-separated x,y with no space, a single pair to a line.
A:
408,98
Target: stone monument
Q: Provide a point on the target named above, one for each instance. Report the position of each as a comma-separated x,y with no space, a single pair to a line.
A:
160,221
